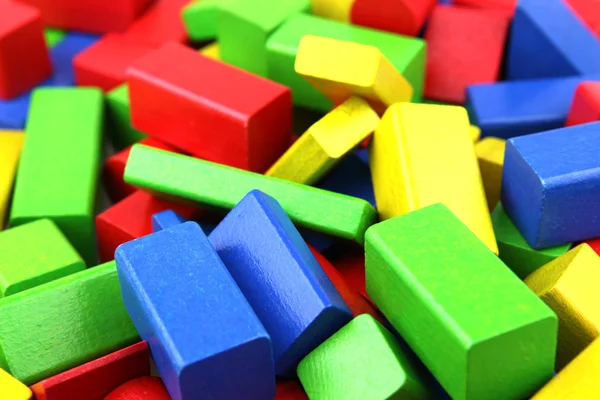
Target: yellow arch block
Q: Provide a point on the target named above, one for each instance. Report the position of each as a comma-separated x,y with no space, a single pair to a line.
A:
11,388
338,10
490,154
422,154
10,150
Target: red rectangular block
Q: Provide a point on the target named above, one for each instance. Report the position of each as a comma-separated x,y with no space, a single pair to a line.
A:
464,47
209,109
586,104
405,17
507,6
162,23
588,11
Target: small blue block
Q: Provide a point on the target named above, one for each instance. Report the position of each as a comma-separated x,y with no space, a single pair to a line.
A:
551,185
515,108
548,40
166,219
351,176
205,339
284,283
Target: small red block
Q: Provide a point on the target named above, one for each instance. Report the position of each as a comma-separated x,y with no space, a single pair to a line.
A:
145,388
464,47
588,11
586,104
594,244
405,17
162,23
209,109
24,58
289,390
507,6
352,268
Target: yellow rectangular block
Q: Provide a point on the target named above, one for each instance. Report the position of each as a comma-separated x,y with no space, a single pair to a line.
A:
422,154
12,389
341,69
490,154
338,10
326,142
11,143
212,51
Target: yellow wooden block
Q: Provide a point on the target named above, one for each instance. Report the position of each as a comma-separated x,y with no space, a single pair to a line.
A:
10,150
578,380
490,154
475,133
422,154
569,285
341,69
12,389
338,10
326,142
212,51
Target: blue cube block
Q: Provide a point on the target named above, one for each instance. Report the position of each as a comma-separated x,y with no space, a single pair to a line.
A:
551,185
205,339
284,283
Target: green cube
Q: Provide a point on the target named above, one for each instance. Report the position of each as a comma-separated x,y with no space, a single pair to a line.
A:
122,132
200,19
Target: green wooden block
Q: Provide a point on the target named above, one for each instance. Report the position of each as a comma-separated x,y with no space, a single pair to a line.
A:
363,360
62,324
407,54
53,36
34,254
122,132
245,26
478,328
514,249
58,170
200,19
175,176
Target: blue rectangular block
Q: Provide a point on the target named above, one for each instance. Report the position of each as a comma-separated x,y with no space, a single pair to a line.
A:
515,108
551,185
283,282
547,39
205,339
169,218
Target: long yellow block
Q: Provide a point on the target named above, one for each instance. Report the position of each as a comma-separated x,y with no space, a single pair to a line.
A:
578,380
340,69
490,154
12,389
569,285
326,142
475,133
10,150
422,154
338,10
212,51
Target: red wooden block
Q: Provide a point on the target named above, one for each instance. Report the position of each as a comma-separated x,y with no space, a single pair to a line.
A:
95,379
352,268
162,23
289,390
131,218
405,17
594,244
464,47
588,11
506,6
24,58
104,63
114,168
144,388
95,16
209,109
586,104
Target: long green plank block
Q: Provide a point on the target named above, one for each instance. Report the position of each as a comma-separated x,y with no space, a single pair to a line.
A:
481,332
218,186
122,133
34,254
53,36
62,324
58,171
244,27
407,54
200,19
363,360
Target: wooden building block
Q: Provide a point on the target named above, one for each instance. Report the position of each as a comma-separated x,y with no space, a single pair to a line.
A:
452,65
514,250
548,39
11,143
213,51
167,219
222,187
586,104
490,155
289,390
245,119
23,53
341,69
569,285
200,19
62,121
504,6
62,324
362,360
160,24
53,36
550,183
462,311
338,10
421,154
352,267
244,27
589,12
324,144
212,345
404,17
98,378
280,278
475,133
12,389
122,132
407,55
144,388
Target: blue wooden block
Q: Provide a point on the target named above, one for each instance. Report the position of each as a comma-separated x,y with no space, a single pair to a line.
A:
205,339
551,185
547,40
284,283
352,177
166,219
515,108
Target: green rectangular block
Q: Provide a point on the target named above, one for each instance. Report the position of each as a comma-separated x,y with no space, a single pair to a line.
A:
175,176
34,254
200,19
121,131
53,36
407,54
245,26
478,328
62,324
58,171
